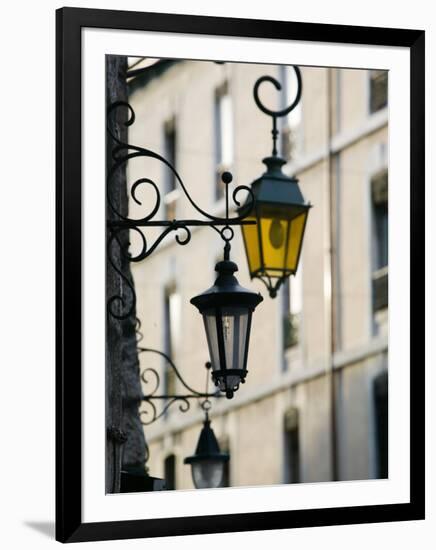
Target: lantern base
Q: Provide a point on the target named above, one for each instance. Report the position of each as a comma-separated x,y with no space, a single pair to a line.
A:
228,380
273,283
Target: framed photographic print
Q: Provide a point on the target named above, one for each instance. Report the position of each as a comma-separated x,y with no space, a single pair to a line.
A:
240,275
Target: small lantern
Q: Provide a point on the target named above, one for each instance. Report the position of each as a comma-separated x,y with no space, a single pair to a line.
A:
227,309
208,461
273,245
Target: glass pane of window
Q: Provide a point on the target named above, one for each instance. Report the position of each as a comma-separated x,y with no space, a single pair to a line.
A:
379,188
224,146
175,307
172,326
225,448
381,423
170,181
291,134
170,472
226,130
381,227
170,154
378,90
292,447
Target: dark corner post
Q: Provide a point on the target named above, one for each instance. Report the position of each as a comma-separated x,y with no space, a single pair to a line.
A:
125,443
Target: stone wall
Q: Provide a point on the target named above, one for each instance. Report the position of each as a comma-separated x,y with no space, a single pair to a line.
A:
125,447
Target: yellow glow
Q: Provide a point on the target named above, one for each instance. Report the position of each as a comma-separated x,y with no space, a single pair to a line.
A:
280,243
277,233
252,245
273,255
295,240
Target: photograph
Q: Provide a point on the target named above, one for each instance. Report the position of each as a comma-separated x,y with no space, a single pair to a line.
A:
237,278
254,355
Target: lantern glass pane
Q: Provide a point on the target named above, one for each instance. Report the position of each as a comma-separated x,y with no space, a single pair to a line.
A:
295,240
252,245
234,323
209,318
234,330
207,473
274,233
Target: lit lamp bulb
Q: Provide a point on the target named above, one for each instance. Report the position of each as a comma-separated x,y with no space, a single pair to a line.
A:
276,233
226,328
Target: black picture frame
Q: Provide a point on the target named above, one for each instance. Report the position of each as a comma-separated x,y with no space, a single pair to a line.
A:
69,22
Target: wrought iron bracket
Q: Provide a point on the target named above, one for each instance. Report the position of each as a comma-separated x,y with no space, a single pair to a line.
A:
151,414
121,153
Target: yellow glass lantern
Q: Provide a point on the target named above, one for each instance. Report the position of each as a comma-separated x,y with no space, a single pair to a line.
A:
273,244
276,204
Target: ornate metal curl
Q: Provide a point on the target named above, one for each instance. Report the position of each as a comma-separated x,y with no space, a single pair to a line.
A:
121,153
118,306
280,112
272,287
151,414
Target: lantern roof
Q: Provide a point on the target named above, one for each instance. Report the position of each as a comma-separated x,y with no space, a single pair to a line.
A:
273,246
274,187
207,446
226,291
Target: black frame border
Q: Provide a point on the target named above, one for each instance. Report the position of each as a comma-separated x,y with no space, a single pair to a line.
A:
69,22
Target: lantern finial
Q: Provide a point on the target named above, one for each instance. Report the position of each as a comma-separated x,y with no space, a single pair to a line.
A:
273,243
281,112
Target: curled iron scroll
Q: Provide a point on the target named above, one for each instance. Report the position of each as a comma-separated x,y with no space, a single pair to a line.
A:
151,380
120,306
278,86
123,152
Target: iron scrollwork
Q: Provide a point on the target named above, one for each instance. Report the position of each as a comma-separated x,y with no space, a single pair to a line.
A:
151,414
275,114
121,153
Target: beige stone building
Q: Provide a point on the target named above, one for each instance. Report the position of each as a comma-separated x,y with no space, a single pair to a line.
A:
324,339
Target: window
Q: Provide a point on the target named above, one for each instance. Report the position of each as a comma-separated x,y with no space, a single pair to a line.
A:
379,193
378,90
337,100
223,115
225,448
291,132
291,309
170,472
381,424
170,181
292,447
172,312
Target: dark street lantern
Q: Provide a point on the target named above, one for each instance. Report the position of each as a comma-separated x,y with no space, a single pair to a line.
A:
273,244
208,461
227,308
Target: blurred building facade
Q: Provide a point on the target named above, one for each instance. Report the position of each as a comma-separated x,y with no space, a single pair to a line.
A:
324,339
